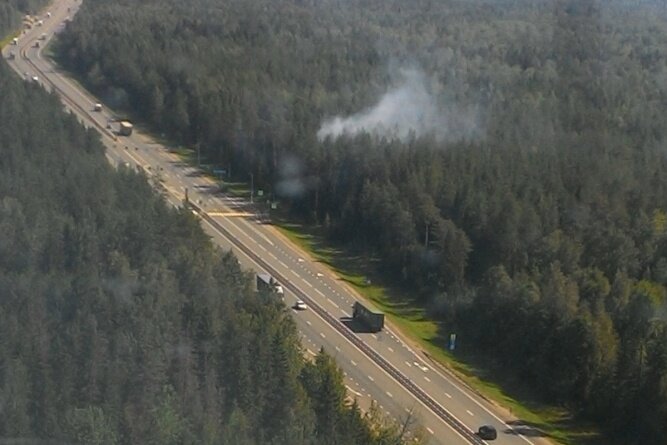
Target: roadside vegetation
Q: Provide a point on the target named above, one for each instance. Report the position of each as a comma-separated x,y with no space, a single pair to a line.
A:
504,159
361,273
12,11
120,322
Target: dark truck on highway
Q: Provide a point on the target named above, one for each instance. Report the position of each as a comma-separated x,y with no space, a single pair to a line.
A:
373,319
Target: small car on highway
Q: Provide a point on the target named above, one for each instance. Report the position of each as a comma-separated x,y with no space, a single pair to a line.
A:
300,306
487,432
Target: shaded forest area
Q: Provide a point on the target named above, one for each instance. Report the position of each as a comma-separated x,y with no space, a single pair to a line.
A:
535,223
120,323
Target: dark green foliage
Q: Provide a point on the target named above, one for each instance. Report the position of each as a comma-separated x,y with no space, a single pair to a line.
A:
541,236
120,323
11,12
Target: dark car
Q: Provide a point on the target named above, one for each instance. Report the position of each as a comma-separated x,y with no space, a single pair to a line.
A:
487,432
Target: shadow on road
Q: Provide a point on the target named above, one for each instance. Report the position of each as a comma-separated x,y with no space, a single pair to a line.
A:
524,428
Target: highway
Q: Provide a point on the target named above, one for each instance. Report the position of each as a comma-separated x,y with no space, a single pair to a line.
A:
382,366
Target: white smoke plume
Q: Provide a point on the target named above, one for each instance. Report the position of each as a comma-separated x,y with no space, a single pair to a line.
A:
407,109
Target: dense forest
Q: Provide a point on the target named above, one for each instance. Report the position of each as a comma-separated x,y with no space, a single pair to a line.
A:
505,159
120,323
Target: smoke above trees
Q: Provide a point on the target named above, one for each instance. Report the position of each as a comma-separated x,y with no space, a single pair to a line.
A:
409,109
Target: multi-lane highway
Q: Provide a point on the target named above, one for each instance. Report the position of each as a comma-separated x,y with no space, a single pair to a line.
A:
380,366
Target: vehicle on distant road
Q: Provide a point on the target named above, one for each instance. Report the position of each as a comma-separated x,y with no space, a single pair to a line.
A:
300,306
267,282
373,319
487,432
15,41
97,107
125,128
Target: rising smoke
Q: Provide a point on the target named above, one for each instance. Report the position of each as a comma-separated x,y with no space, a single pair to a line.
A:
409,108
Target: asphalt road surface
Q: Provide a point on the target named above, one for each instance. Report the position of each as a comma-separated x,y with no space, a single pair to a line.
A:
382,367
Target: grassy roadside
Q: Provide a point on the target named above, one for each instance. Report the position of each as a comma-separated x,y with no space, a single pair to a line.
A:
8,38
4,42
412,320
